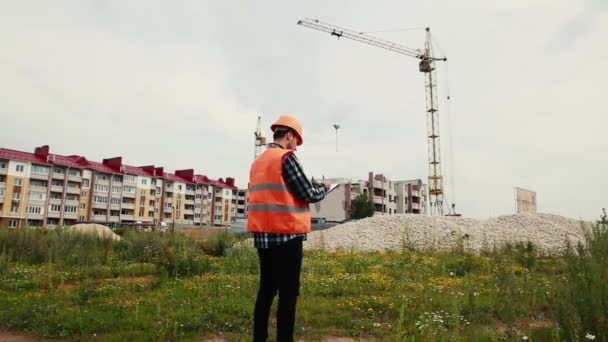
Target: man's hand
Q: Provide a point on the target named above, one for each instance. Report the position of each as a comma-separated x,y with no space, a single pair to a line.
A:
326,185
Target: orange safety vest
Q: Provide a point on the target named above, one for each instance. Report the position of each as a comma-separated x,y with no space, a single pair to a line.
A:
271,208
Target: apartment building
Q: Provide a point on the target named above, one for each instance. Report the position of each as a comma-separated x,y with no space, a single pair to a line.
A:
239,204
44,189
411,196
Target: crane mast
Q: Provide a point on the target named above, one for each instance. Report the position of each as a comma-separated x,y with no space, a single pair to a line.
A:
426,66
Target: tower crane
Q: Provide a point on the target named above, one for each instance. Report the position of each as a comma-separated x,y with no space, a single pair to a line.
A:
260,140
426,66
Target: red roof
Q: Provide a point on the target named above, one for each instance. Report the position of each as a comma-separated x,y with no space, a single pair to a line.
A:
136,171
81,162
23,156
174,178
100,167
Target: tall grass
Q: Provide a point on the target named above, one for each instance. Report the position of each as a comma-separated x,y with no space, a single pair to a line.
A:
581,309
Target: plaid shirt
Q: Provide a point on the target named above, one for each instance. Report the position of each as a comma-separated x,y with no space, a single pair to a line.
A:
301,188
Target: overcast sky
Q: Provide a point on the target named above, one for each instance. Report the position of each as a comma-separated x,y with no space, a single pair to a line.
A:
180,84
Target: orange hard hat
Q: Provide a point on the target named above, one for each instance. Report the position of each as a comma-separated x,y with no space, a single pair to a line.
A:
291,122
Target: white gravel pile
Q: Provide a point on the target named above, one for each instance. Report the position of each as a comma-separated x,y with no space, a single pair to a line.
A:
98,230
394,232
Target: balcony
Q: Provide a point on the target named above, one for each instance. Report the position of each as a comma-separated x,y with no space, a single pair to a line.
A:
190,202
169,189
40,176
4,171
73,203
35,216
75,191
101,218
77,179
190,192
101,181
54,214
36,188
97,205
114,218
116,207
168,200
128,194
126,217
55,201
188,212
380,199
1,200
57,188
58,175
70,216
128,206
190,222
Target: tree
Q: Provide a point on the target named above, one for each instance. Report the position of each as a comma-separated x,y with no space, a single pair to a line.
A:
361,207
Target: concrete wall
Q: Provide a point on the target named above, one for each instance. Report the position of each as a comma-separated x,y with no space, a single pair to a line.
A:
334,206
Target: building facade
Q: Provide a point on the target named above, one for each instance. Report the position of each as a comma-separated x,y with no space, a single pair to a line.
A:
44,189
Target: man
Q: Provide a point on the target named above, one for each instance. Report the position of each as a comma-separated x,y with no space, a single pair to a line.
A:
279,218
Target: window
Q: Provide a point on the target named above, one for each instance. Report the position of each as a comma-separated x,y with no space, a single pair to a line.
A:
37,196
70,209
19,167
43,170
101,188
18,182
14,209
115,201
101,176
128,189
55,195
85,182
99,213
117,178
1,192
142,202
144,181
142,192
74,172
116,189
16,196
129,178
99,199
71,197
83,206
55,208
73,185
179,187
2,164
12,223
34,210
114,213
81,218
141,213
84,194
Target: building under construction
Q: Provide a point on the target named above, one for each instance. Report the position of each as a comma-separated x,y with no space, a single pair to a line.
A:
388,197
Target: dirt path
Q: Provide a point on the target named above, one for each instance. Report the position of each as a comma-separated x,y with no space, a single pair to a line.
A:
11,336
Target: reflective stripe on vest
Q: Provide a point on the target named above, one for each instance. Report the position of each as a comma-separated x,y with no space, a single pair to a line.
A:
277,208
272,187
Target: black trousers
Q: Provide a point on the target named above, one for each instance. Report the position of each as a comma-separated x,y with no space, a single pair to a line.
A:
279,272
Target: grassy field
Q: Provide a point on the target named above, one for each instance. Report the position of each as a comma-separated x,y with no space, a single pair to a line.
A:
153,286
